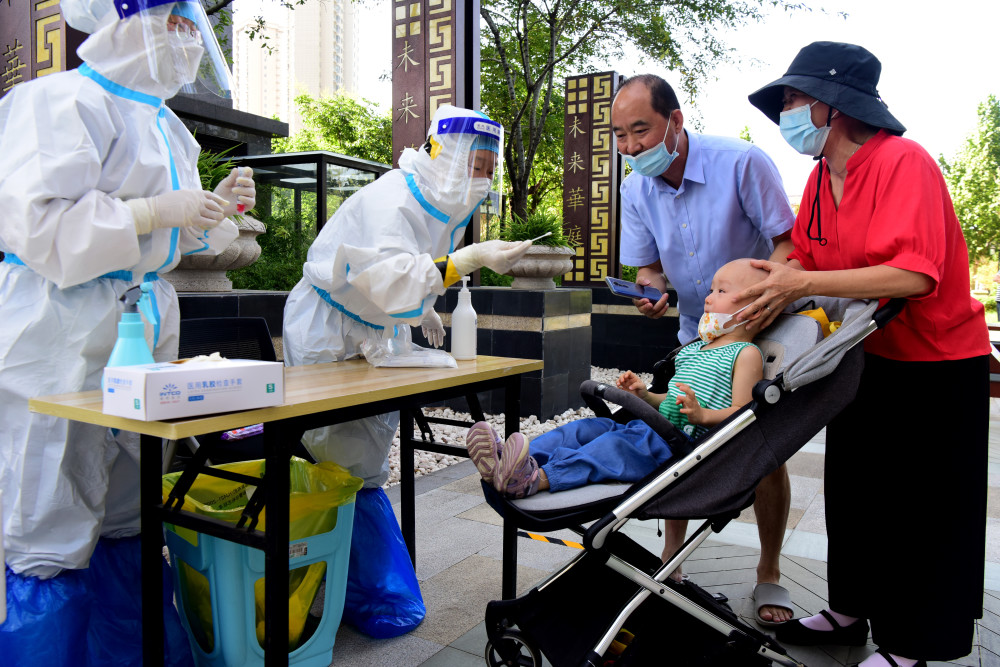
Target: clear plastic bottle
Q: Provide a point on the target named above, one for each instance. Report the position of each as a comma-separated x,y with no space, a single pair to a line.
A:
463,325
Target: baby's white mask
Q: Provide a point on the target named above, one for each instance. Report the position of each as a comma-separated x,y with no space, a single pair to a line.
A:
713,325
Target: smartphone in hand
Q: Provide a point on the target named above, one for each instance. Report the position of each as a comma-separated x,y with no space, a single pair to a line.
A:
633,291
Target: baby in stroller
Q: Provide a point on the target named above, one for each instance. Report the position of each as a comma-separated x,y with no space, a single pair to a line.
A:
713,378
574,616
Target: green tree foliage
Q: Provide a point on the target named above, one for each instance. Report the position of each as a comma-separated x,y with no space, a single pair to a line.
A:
529,46
973,178
283,247
282,253
342,124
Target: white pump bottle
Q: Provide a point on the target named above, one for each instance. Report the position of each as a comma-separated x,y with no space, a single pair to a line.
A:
463,325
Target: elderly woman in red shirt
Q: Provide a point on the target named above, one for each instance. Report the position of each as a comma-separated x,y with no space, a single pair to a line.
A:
905,479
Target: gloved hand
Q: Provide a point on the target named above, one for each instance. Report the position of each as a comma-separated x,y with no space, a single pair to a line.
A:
496,255
179,208
432,328
238,188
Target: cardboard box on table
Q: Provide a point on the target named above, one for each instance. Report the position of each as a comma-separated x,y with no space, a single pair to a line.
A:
188,388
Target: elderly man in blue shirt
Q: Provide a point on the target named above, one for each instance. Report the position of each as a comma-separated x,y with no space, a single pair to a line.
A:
692,204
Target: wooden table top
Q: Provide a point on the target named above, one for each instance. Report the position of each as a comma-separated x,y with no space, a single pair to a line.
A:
308,390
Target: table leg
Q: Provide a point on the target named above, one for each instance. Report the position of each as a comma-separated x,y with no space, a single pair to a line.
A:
407,500
276,490
151,550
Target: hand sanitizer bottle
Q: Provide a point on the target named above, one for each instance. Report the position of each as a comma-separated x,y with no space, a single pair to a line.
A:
131,347
463,325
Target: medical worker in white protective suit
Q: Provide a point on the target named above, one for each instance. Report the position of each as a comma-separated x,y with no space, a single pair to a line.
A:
99,191
380,263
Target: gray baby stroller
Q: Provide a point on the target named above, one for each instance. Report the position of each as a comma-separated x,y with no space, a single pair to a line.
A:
617,589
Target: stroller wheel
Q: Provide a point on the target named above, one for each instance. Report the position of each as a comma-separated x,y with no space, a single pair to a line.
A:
512,649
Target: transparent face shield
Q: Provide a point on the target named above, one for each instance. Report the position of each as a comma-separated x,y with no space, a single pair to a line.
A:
181,48
465,152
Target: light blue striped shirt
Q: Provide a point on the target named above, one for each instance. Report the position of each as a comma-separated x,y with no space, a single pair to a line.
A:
730,204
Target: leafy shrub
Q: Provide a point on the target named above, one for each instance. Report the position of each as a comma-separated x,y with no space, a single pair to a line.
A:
213,167
490,278
282,249
536,224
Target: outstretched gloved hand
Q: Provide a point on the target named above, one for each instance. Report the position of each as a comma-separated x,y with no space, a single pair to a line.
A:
432,328
238,189
496,255
179,208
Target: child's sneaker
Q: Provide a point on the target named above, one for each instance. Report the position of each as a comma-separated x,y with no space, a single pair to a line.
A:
517,473
484,445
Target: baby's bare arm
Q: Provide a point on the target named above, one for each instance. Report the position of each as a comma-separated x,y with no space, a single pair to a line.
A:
633,384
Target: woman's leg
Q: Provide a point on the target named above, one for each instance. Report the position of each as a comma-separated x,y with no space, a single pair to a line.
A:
893,466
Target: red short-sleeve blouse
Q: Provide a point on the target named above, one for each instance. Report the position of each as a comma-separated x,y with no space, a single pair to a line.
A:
896,211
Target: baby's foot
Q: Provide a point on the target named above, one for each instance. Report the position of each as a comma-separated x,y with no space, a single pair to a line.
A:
517,474
483,444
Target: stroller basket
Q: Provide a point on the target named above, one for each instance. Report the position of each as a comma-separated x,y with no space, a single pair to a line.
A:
615,584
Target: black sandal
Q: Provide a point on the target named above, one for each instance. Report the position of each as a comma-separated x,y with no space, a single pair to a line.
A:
888,658
793,632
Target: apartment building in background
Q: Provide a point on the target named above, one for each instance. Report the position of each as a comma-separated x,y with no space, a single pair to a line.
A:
312,48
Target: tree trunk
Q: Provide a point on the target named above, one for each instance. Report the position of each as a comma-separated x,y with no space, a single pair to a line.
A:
519,199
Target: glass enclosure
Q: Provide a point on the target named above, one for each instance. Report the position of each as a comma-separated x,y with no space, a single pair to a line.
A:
306,188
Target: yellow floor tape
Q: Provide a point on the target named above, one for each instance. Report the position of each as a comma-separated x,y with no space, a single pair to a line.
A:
551,540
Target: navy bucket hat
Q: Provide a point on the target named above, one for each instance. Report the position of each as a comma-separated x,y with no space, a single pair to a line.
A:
843,76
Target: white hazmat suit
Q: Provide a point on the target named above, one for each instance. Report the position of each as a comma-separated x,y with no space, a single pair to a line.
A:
90,159
377,267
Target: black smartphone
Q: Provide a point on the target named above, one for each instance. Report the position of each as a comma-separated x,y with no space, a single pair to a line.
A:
632,291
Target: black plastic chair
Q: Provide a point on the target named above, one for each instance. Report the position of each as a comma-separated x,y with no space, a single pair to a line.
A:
233,338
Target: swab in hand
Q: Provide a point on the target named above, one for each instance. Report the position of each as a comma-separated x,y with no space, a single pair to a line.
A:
240,208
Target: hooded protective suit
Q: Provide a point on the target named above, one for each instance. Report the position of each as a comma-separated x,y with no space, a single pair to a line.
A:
375,268
74,148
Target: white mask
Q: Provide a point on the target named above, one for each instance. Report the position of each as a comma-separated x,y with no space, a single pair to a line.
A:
140,54
713,325
478,190
186,51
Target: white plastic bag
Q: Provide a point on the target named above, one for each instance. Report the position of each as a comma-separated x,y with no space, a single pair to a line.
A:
401,352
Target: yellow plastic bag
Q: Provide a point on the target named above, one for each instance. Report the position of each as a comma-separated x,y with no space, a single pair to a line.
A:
316,489
316,492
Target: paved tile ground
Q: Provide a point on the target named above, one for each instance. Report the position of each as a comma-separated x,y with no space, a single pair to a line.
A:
459,568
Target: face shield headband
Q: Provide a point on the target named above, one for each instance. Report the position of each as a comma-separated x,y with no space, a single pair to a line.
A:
192,48
481,165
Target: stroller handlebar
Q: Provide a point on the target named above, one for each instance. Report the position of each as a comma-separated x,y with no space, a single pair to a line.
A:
887,312
594,393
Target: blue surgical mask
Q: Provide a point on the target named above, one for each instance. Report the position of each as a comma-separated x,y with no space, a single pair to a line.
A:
654,161
798,130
